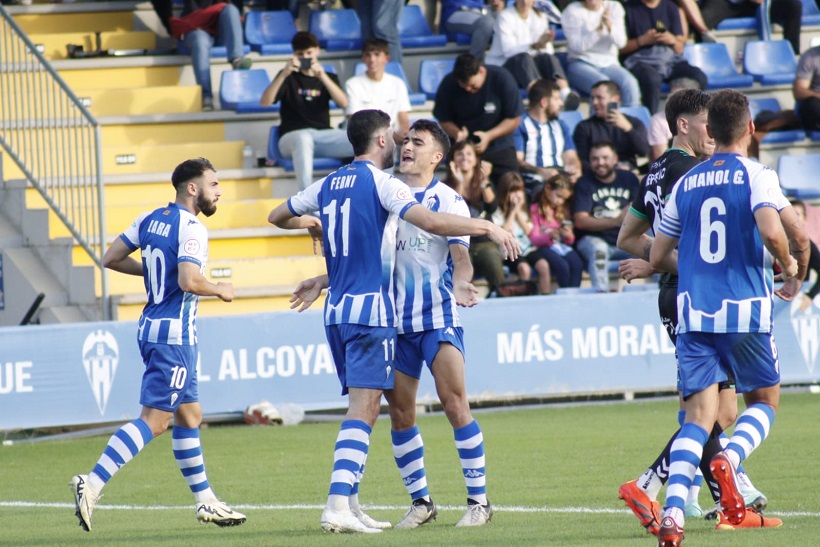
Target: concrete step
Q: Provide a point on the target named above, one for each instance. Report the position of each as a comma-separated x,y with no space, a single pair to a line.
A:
101,21
152,134
119,77
54,45
143,100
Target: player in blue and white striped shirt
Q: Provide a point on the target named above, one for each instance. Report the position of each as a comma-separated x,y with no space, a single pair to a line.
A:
726,216
174,248
359,207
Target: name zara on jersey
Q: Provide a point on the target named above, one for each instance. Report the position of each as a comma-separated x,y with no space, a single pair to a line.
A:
711,178
159,228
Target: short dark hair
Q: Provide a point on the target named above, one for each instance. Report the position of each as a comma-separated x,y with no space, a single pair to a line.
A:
435,130
729,116
611,87
466,66
541,89
303,40
375,44
363,126
603,144
687,102
189,170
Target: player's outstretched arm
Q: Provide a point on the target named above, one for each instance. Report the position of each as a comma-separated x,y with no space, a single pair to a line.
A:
191,280
307,292
118,258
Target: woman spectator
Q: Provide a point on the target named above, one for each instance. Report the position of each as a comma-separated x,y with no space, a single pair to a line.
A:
513,215
552,231
470,178
596,31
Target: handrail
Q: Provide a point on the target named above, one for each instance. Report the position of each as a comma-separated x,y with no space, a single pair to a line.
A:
54,141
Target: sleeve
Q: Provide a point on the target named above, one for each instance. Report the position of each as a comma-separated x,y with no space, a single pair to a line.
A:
673,15
443,109
193,243
765,188
511,104
283,94
814,264
131,236
579,38
670,223
582,201
354,94
459,207
306,201
505,32
539,236
637,137
402,96
394,194
618,32
805,68
520,137
569,144
581,138
658,130
638,207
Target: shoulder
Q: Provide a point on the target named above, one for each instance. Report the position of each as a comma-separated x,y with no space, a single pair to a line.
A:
357,82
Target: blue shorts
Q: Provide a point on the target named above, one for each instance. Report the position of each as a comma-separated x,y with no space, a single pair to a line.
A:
364,356
708,358
416,348
170,376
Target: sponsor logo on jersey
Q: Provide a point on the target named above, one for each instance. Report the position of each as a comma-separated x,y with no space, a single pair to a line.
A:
404,193
806,325
191,246
101,355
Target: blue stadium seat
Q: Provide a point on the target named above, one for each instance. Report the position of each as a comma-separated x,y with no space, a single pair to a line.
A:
218,52
414,30
336,30
431,72
571,118
714,60
243,87
319,164
640,112
811,13
814,136
774,137
771,62
270,32
798,175
460,39
737,23
395,69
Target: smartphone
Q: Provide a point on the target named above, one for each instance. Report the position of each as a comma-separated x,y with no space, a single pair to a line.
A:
660,27
305,62
566,223
472,139
611,106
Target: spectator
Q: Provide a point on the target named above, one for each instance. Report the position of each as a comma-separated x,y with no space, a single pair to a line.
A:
204,23
596,31
606,124
482,104
806,89
543,142
380,19
814,260
789,13
691,9
659,135
552,231
513,215
473,17
470,178
378,90
602,198
654,50
305,90
522,43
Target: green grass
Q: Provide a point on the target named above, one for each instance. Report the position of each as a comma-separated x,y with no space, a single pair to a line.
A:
553,459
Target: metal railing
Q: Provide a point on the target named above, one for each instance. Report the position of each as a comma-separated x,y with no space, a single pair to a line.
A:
54,141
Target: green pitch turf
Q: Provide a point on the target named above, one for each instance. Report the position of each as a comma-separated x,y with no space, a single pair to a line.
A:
553,475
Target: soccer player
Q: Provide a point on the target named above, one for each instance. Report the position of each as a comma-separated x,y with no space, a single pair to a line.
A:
360,206
686,113
174,248
723,217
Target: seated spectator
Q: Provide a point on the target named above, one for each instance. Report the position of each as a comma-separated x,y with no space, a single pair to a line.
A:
473,17
789,13
658,135
543,142
596,31
202,24
305,90
513,215
522,43
602,198
606,124
375,89
552,231
481,104
470,178
654,49
806,89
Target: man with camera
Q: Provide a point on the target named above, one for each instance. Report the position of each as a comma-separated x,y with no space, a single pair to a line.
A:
305,91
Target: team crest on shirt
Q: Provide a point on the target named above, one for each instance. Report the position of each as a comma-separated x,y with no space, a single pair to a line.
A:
191,246
805,318
101,355
433,203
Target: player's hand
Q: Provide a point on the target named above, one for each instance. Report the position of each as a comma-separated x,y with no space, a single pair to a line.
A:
225,291
791,285
466,294
509,245
634,268
306,293
315,232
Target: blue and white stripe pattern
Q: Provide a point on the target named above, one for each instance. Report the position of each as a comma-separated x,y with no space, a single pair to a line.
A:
188,454
352,445
687,450
123,445
408,451
543,144
752,428
470,446
750,315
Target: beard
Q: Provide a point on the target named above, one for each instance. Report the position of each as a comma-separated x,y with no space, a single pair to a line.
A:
389,158
205,206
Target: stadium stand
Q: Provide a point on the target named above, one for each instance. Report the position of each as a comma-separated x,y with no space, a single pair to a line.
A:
270,32
431,72
714,60
414,30
337,29
770,62
798,175
640,112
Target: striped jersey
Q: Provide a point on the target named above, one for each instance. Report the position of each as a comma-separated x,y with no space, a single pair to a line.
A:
543,144
166,237
424,268
725,272
359,206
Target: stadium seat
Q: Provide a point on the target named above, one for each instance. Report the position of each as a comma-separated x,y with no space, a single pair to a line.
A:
571,118
270,32
460,39
640,112
217,52
431,72
738,23
287,165
414,30
798,175
714,60
770,62
242,89
336,30
774,137
395,69
811,13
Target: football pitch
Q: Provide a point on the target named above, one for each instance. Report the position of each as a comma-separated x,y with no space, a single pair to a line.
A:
553,474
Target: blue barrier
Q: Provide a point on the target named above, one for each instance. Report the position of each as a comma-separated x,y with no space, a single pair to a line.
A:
539,346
